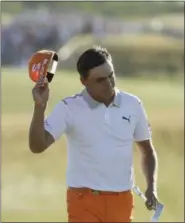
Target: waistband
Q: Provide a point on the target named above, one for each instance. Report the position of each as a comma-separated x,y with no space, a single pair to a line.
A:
98,192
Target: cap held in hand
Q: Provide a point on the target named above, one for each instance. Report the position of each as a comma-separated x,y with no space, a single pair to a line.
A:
43,64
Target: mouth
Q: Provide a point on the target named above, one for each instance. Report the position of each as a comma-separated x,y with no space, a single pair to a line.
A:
110,91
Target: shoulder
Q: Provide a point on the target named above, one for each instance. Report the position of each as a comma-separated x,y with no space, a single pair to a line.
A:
73,101
129,98
66,105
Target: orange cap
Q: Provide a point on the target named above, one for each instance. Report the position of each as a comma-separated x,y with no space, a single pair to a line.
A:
40,62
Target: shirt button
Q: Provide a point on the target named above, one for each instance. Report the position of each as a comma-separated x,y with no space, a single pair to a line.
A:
106,118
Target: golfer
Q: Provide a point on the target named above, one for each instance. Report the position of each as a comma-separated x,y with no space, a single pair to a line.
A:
101,123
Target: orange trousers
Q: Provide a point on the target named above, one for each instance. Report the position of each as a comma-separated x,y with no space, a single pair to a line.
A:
85,205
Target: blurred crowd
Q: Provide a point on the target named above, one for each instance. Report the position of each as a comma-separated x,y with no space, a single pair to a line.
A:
34,30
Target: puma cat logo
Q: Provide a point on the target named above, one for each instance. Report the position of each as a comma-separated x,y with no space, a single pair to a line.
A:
127,119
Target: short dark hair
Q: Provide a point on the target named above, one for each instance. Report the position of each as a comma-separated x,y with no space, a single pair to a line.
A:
91,58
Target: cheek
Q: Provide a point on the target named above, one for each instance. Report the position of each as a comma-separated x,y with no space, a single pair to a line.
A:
94,86
97,88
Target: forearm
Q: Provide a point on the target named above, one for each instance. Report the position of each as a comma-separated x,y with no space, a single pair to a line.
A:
150,168
37,141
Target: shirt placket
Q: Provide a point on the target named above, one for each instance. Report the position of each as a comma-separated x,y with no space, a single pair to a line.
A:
107,116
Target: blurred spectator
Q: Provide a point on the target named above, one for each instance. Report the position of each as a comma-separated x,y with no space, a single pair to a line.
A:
34,30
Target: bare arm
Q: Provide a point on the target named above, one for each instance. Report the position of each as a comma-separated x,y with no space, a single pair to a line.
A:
39,138
44,131
149,162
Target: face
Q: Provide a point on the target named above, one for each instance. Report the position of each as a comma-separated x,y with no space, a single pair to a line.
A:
101,82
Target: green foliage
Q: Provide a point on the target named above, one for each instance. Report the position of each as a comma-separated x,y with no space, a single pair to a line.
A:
132,54
11,7
106,8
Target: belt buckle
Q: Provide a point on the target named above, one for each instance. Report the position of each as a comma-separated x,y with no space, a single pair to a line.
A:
95,192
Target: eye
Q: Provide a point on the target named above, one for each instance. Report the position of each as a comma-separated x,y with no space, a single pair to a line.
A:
99,80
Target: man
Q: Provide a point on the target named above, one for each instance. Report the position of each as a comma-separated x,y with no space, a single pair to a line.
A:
100,123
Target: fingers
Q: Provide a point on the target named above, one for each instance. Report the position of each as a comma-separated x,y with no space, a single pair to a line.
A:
42,83
151,203
40,91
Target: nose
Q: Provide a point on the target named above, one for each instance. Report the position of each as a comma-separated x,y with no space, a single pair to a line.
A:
109,82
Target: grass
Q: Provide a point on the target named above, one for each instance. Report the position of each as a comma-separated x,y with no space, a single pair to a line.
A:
33,186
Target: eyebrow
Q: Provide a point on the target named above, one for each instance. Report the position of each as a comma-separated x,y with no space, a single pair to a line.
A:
103,78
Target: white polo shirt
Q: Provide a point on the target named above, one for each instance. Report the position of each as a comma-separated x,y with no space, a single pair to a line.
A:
100,139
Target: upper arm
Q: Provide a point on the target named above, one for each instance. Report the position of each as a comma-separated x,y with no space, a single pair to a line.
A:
142,130
57,123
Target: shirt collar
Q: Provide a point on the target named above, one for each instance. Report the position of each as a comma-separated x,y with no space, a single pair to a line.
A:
93,103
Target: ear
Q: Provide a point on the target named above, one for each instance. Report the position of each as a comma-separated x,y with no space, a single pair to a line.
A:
83,81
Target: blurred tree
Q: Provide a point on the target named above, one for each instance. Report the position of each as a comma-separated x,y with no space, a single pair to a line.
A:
11,7
110,8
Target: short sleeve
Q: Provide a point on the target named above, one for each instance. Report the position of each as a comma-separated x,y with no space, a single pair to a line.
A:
58,121
142,130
